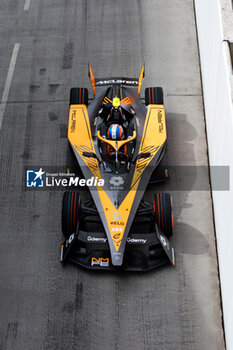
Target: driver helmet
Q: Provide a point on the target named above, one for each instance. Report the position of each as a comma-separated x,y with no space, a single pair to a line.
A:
115,132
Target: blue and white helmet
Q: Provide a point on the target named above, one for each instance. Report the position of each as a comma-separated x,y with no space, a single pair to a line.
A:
115,132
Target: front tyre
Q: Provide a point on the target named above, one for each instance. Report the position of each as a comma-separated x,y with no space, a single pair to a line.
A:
163,213
70,212
154,96
79,96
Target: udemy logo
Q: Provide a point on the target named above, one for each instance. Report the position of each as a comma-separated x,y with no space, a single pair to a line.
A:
35,178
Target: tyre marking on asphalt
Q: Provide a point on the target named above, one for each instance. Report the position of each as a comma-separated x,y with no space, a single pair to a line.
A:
8,82
27,5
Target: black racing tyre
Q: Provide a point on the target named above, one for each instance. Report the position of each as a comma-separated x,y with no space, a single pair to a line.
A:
163,213
70,212
154,96
79,96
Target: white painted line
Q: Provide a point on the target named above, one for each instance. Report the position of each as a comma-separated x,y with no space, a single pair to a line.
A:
27,5
8,82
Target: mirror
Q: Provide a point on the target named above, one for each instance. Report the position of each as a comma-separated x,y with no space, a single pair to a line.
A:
142,155
89,154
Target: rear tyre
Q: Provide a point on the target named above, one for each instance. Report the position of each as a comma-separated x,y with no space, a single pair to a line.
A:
154,96
70,212
163,213
79,96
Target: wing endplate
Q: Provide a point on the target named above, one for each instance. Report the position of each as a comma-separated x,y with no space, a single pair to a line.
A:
141,76
91,76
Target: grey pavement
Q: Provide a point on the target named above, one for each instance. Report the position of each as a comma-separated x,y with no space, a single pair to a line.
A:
42,304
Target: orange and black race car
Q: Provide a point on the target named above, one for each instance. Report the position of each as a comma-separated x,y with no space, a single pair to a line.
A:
118,139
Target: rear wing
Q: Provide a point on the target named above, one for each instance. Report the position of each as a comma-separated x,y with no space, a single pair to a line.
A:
116,80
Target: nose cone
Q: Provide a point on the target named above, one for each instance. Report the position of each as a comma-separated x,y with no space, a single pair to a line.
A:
117,259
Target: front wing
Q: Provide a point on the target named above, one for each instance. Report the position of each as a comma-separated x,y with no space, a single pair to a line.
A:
143,252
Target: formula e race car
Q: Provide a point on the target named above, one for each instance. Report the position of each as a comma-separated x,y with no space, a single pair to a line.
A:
119,140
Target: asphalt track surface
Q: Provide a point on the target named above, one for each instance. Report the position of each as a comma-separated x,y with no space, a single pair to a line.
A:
46,306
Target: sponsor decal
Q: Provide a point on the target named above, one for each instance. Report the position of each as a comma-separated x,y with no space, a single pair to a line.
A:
97,239
116,236
160,117
103,262
117,223
136,240
73,121
116,181
116,229
35,178
116,216
117,81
